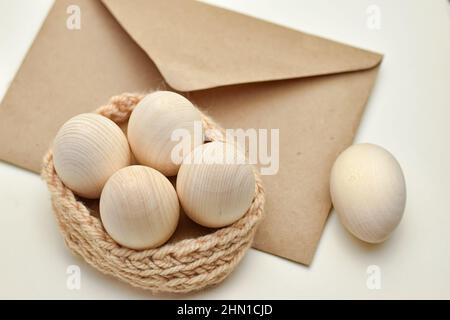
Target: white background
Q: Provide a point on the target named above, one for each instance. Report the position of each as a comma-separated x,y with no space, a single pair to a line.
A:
408,113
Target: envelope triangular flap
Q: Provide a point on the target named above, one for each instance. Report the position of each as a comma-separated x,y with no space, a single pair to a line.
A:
197,46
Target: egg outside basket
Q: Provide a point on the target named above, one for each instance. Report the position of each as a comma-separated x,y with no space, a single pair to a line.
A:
184,266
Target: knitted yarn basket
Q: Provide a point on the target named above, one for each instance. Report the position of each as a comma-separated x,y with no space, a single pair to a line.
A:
183,266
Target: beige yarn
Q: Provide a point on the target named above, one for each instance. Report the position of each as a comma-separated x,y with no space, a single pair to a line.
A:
187,265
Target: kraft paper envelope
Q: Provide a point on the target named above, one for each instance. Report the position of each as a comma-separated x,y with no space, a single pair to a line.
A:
244,72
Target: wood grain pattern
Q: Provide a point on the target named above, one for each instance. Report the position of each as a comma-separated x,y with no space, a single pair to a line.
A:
213,191
151,125
368,191
139,207
87,150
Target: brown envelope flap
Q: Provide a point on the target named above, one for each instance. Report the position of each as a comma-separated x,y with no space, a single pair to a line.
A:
197,46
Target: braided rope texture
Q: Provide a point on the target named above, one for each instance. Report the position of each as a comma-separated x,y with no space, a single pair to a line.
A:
184,266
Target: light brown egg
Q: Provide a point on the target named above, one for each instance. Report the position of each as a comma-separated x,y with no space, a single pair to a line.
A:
152,123
215,184
368,191
139,207
87,150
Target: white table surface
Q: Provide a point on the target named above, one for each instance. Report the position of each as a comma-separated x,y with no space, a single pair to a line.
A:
408,113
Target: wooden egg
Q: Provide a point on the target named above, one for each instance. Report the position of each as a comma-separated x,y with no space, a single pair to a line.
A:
215,184
139,207
368,191
87,150
151,125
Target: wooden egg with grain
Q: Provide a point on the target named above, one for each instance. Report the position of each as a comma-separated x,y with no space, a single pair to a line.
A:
368,191
87,150
151,125
139,207
215,184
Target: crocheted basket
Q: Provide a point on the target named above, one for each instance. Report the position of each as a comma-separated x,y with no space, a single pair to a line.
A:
183,266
